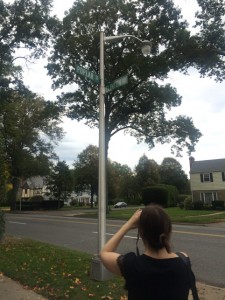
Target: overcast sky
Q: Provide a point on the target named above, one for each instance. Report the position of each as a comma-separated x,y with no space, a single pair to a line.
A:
202,99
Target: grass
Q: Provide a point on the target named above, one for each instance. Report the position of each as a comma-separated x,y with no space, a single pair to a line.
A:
54,272
176,214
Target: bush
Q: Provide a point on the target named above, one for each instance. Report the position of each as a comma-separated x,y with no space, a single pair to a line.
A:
218,205
135,201
155,194
198,205
36,205
173,194
188,204
73,202
180,200
37,199
52,204
2,224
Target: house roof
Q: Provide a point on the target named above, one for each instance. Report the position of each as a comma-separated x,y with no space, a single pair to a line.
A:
204,166
35,182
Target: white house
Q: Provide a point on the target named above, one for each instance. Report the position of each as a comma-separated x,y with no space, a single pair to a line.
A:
207,180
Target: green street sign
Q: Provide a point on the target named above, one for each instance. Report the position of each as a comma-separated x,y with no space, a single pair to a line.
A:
87,73
116,83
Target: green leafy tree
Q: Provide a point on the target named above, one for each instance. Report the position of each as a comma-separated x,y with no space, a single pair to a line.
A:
171,173
147,172
27,119
126,183
140,108
60,182
30,126
86,171
24,33
118,180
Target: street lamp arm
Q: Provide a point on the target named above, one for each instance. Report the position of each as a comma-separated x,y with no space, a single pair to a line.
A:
116,37
146,45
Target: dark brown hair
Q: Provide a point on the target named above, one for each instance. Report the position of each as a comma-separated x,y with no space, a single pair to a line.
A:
155,227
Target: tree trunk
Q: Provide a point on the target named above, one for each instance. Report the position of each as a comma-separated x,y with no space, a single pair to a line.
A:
92,196
14,193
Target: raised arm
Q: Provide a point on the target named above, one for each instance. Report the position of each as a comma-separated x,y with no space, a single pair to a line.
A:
108,255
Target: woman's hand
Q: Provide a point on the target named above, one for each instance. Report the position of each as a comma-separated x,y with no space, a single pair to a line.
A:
133,222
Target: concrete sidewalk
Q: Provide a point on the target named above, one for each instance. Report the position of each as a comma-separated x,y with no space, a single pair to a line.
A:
11,290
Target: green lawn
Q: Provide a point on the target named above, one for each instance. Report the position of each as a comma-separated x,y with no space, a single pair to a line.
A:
54,272
176,214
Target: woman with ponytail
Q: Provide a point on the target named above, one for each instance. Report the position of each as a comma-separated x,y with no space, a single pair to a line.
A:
157,274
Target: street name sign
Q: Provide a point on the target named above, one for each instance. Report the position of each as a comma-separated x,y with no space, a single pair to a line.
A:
116,83
87,73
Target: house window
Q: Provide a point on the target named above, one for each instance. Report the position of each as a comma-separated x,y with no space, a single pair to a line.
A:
223,176
208,197
206,177
37,192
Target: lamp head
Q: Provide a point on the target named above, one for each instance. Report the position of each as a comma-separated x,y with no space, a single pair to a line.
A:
146,47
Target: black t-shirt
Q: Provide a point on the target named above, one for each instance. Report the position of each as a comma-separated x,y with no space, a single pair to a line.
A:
148,278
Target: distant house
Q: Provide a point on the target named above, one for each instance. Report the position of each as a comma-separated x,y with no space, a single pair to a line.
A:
207,180
34,186
81,198
37,186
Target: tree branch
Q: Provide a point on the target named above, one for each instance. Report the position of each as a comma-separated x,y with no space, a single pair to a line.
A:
136,129
220,52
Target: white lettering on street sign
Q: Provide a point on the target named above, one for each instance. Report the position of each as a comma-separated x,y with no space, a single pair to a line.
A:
87,73
117,83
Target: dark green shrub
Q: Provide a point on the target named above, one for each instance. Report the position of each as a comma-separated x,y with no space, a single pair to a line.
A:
218,205
173,194
155,194
180,200
134,201
2,224
188,204
73,202
198,205
24,205
52,204
37,199
36,205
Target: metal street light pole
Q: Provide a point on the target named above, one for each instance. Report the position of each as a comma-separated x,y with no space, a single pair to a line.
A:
102,158
98,270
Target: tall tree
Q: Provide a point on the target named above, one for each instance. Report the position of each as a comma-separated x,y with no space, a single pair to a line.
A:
140,107
118,180
147,172
24,26
30,126
60,182
171,173
86,171
24,32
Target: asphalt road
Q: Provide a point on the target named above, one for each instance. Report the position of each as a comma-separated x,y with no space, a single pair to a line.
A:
204,244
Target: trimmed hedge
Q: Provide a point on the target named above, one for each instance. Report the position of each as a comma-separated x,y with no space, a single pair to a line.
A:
155,194
162,194
218,205
38,205
173,194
